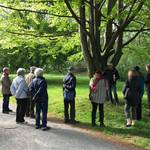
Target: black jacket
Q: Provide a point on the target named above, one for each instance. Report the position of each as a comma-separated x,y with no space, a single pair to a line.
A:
38,89
132,91
109,75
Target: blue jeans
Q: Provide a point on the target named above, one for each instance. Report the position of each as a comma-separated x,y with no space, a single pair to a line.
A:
41,106
5,102
113,89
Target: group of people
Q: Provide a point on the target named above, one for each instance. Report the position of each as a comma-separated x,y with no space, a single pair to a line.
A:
29,91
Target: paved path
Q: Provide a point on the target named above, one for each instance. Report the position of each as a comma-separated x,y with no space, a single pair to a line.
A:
61,137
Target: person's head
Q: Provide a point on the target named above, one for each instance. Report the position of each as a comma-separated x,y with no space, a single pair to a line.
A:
21,72
148,67
39,72
6,70
132,73
71,69
98,74
32,69
137,68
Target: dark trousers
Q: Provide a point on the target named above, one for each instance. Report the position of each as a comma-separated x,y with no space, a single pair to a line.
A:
101,112
130,109
21,109
30,107
139,110
66,110
5,105
113,92
41,106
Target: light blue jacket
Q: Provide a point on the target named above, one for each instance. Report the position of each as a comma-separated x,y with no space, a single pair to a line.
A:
19,88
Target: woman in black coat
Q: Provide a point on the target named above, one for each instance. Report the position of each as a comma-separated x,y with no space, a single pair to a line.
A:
132,91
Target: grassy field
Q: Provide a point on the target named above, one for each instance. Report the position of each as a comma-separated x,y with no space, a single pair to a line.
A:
114,116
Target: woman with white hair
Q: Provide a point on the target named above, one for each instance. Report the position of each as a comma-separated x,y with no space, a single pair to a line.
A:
38,89
19,89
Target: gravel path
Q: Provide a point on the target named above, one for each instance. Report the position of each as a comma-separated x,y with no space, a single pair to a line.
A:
61,137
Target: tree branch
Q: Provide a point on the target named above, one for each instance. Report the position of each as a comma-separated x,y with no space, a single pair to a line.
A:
130,40
34,11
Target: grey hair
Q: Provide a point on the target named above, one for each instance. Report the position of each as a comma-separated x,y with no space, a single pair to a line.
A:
21,71
38,72
5,69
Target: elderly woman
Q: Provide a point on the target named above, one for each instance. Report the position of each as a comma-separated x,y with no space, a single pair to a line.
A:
19,89
98,86
38,89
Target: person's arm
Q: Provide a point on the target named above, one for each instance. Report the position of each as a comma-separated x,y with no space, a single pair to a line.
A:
42,87
126,86
13,89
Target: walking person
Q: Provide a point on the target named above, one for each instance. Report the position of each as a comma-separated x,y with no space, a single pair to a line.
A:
19,89
38,89
30,103
147,83
69,93
98,86
141,79
5,90
112,75
132,92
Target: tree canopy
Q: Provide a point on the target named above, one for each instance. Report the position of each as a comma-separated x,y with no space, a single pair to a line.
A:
53,33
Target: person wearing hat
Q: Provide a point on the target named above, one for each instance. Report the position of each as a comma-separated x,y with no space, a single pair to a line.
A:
141,79
19,89
112,75
69,93
30,103
5,89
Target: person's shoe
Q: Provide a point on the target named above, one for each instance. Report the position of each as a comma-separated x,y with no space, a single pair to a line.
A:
74,122
133,123
45,128
5,112
38,127
10,110
102,125
128,125
94,124
66,121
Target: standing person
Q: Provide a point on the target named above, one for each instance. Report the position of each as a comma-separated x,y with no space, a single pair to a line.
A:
19,89
147,83
112,75
30,103
38,89
141,79
132,91
5,89
69,92
98,86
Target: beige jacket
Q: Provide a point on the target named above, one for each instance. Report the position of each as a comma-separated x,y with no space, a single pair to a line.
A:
29,78
5,85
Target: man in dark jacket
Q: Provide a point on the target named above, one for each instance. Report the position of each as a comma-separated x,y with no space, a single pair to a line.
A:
69,92
38,89
112,75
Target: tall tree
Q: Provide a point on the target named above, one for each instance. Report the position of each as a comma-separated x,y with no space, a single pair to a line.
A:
103,24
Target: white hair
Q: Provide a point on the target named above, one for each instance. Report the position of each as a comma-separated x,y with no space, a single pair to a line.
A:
38,72
21,71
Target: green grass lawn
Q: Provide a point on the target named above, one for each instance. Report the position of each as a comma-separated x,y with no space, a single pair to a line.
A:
114,116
